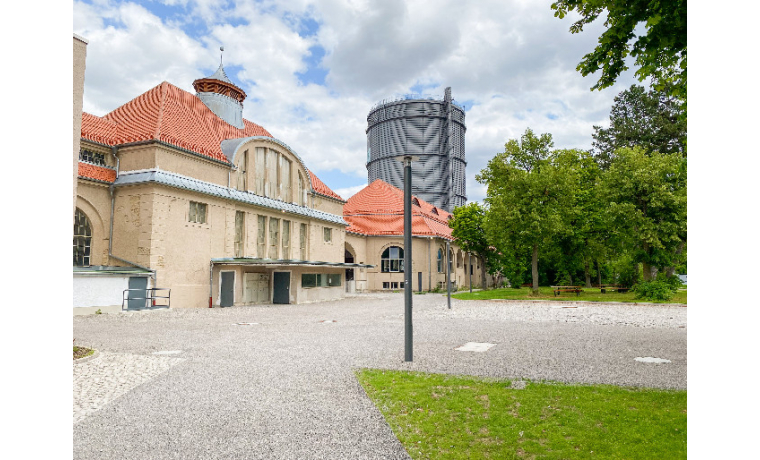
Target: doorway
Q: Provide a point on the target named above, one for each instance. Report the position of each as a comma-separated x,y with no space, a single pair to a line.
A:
227,289
281,288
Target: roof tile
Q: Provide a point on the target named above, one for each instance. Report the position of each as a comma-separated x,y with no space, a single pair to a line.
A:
378,209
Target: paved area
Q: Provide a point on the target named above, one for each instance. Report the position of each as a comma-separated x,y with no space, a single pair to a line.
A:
278,381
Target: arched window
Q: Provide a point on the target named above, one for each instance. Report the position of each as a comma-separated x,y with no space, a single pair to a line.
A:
82,239
440,261
392,260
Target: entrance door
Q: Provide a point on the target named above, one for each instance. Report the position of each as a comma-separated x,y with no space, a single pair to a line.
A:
136,299
227,294
281,287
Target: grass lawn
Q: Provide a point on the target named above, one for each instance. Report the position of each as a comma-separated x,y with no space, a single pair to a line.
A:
442,416
545,293
81,352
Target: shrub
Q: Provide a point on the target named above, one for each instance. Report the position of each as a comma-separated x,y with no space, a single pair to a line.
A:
658,290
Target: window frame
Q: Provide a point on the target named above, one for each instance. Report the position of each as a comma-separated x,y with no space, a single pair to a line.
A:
388,262
194,214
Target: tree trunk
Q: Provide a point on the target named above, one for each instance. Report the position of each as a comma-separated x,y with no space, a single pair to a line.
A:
670,271
588,274
647,269
534,269
598,272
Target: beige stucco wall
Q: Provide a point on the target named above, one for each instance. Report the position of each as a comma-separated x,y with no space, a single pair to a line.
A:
152,229
80,53
369,249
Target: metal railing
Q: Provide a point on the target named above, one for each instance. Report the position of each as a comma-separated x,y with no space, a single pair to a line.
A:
149,298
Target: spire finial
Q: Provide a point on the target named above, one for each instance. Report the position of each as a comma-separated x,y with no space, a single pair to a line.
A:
221,55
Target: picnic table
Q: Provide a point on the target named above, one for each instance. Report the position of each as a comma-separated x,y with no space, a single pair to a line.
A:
612,287
559,289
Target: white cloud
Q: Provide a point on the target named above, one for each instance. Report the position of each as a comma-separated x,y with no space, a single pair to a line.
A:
512,62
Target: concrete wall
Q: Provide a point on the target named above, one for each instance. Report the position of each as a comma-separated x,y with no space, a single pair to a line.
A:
103,292
80,54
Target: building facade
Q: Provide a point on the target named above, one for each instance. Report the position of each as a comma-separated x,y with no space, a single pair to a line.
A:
433,131
178,191
375,235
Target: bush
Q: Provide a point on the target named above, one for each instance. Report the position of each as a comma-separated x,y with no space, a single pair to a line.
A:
658,290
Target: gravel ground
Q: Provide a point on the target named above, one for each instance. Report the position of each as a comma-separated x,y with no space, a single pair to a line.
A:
285,387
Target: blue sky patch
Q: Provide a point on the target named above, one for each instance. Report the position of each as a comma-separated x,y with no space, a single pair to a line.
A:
552,116
314,73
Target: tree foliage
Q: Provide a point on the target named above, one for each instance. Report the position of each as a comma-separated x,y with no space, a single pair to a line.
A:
528,195
468,229
660,53
648,119
646,196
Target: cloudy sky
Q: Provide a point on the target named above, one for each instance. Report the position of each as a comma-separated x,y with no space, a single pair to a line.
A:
312,69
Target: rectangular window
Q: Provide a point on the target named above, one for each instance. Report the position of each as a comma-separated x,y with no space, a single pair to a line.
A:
386,285
333,280
301,190
274,237
303,240
92,157
285,179
261,240
328,235
260,169
197,213
239,233
308,280
286,239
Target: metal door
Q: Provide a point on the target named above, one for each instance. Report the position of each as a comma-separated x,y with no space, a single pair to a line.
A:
281,287
137,299
227,294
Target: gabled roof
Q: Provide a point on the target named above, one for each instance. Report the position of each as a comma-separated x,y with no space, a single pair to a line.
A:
169,114
378,209
321,188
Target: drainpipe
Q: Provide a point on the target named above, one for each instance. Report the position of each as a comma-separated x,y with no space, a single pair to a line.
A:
110,231
210,284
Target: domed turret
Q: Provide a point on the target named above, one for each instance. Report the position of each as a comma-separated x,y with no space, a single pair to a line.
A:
223,97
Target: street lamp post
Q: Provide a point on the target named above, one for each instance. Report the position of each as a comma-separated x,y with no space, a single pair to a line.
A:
407,161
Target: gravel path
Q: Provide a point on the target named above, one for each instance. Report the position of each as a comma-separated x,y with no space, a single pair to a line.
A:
282,384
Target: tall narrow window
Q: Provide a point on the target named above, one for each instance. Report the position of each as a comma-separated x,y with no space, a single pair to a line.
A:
285,179
303,240
440,260
82,239
274,237
261,240
197,213
260,168
301,190
328,235
286,239
242,172
239,233
392,260
271,181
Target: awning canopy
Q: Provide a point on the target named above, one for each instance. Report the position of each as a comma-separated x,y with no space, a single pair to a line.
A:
103,270
284,262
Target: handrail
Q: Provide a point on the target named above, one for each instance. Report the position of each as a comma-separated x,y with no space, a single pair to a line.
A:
150,296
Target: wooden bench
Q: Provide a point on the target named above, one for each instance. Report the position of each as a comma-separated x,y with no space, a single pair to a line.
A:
559,289
613,287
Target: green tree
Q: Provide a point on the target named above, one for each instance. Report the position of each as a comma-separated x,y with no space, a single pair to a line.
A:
660,52
468,229
649,119
528,195
645,195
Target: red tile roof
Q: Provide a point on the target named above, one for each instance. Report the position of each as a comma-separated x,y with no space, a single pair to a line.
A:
321,188
378,209
96,172
169,114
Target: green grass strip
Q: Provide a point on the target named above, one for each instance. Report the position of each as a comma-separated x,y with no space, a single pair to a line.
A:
546,293
455,417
